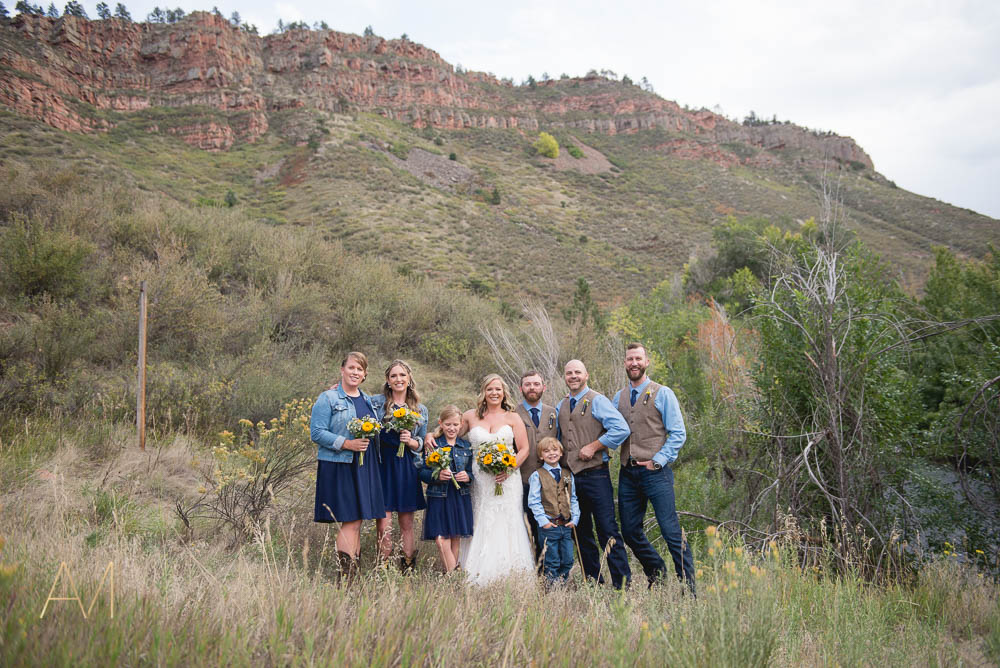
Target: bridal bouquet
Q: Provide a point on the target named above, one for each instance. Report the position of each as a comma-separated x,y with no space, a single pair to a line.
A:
403,419
495,458
363,428
439,460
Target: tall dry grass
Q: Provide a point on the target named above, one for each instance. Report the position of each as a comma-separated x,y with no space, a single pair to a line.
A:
182,597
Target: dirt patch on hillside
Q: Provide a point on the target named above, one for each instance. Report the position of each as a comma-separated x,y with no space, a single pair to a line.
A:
592,162
434,170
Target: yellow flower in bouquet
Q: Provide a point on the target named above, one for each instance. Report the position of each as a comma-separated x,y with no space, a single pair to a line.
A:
440,460
493,458
367,427
403,419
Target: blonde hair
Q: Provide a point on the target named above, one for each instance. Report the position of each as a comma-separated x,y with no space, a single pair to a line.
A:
506,403
451,410
549,443
412,398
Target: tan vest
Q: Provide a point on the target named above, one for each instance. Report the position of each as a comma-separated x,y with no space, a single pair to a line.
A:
578,429
556,495
648,434
547,426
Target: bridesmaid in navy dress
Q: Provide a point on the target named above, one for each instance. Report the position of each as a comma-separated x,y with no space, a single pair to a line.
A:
346,491
400,482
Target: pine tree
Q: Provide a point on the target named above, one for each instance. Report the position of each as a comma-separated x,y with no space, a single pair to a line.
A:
53,12
3,11
103,11
74,8
121,12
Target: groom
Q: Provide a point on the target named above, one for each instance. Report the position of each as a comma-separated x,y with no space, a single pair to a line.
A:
589,425
539,421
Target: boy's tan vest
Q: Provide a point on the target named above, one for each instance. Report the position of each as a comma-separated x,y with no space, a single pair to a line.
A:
547,426
648,434
556,495
578,429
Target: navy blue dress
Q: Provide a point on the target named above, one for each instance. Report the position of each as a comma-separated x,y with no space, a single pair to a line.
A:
449,510
401,486
346,492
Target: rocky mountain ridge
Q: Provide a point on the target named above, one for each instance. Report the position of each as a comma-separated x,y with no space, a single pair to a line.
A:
84,76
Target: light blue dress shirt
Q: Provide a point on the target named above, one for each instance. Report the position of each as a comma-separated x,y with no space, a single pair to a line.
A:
605,413
535,496
673,421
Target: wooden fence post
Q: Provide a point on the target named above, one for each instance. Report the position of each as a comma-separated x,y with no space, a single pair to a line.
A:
140,395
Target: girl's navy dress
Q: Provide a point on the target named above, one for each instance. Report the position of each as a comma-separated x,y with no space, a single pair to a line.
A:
449,510
401,487
348,492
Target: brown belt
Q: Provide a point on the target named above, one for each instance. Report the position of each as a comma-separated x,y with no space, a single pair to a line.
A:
559,521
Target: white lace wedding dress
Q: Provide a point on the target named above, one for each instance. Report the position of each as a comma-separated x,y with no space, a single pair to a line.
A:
499,545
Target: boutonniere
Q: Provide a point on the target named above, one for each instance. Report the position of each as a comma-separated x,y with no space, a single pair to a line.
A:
645,398
552,419
586,402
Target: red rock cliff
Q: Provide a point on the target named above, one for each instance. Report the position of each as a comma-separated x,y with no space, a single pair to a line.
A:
232,79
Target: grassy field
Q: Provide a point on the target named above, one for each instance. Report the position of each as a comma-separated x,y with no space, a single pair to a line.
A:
625,229
185,596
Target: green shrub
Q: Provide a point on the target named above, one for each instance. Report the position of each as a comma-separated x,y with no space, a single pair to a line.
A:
35,260
574,151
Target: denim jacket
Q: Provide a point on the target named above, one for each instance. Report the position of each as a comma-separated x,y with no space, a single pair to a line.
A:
328,429
378,401
461,460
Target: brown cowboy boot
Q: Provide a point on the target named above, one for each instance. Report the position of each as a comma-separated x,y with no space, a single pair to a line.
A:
406,564
348,566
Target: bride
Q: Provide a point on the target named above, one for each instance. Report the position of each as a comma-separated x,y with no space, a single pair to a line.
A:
499,545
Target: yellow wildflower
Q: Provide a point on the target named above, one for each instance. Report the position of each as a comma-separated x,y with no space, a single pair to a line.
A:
710,531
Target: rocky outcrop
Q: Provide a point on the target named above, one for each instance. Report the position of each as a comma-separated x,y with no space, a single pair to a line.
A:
81,76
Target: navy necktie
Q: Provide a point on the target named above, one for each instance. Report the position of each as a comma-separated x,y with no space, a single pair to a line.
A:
635,393
534,417
555,474
572,404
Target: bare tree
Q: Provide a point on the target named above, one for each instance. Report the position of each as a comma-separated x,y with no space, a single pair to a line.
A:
534,347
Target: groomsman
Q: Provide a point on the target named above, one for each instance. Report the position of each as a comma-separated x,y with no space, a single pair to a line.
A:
657,434
589,425
539,421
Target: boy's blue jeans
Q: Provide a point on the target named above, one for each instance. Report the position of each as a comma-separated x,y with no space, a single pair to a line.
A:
558,545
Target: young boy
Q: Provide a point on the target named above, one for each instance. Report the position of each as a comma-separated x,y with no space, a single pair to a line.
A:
552,500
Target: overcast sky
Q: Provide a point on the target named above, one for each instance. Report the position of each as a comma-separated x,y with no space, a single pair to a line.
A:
915,83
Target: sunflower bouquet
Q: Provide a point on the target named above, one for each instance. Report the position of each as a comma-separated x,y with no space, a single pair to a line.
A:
495,458
400,420
439,460
367,427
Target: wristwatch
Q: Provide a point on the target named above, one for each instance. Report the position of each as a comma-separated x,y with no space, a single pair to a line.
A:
656,467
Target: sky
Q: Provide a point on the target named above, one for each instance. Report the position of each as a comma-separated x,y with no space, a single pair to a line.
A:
916,83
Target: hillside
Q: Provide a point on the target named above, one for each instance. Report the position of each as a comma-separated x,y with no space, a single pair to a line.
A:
353,134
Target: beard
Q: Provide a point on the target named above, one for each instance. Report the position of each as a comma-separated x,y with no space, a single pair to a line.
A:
637,373
531,396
